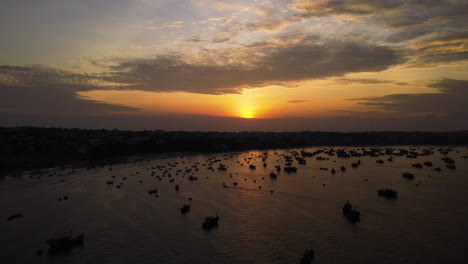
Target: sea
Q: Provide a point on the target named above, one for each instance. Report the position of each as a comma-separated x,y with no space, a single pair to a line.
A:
261,219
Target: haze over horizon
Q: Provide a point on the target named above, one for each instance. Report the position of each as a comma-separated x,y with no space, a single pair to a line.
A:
232,65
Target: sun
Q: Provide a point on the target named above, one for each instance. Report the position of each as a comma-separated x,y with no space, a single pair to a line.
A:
247,113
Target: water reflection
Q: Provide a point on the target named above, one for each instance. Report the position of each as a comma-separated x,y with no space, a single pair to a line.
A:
129,225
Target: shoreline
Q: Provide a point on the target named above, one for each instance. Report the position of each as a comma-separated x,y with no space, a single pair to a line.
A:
30,148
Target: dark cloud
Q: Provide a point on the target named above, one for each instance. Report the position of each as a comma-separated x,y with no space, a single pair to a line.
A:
220,40
450,99
434,23
346,81
194,40
439,58
281,64
394,13
48,90
36,75
171,73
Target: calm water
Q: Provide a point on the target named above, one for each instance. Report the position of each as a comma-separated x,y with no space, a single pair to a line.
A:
428,223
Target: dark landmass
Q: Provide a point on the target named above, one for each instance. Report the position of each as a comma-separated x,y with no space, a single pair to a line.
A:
30,148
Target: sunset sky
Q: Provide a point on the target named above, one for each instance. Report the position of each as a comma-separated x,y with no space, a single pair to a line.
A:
231,65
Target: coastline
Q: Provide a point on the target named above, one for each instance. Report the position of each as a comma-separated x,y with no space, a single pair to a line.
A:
32,148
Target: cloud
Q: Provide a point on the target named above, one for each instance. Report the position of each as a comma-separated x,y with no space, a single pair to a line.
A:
296,62
220,4
175,25
449,99
346,81
216,72
194,40
47,90
220,40
298,101
393,13
268,24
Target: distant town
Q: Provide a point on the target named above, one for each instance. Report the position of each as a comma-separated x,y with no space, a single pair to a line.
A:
32,148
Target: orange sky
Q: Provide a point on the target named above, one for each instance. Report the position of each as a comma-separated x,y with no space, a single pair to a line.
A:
233,58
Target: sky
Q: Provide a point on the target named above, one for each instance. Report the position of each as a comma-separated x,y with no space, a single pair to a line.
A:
232,65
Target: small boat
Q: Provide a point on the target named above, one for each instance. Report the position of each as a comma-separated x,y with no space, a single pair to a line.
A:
185,209
408,175
154,191
12,217
353,215
387,193
64,243
290,169
451,166
210,222
307,257
347,208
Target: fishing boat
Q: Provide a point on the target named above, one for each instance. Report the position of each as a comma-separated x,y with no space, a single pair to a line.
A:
387,193
290,169
61,244
210,222
185,209
307,257
408,175
351,214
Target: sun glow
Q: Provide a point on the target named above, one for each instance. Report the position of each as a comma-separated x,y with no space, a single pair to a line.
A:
247,113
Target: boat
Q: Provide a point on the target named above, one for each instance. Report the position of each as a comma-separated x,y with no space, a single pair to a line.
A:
154,191
387,193
12,217
290,169
347,208
307,257
408,175
185,209
428,163
210,222
451,166
61,244
353,215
